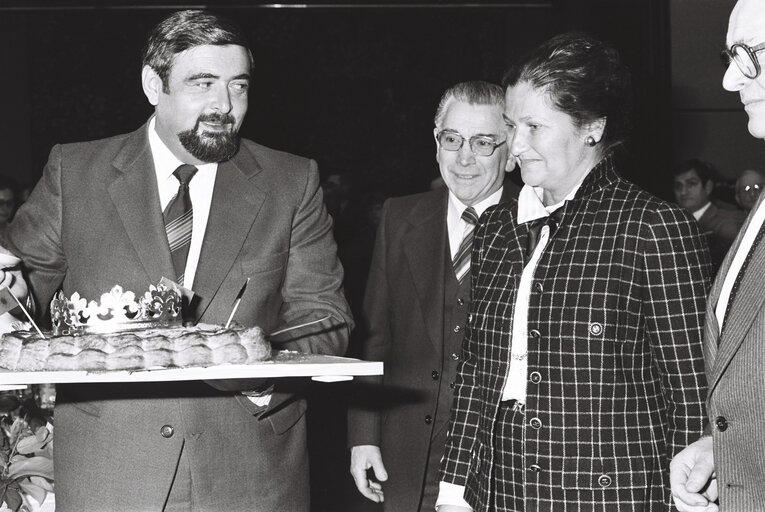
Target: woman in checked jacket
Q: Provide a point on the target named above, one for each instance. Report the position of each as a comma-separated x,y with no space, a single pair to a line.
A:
582,371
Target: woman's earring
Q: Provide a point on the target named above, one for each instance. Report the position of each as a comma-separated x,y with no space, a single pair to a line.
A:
590,141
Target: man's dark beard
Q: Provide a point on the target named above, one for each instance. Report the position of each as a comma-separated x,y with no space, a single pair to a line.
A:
211,146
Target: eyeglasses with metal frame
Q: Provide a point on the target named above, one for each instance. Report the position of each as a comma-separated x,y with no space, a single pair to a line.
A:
480,145
745,57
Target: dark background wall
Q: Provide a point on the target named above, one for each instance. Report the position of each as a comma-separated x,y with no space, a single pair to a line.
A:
353,85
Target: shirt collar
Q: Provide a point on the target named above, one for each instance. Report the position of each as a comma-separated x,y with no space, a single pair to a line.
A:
165,162
701,211
457,207
531,207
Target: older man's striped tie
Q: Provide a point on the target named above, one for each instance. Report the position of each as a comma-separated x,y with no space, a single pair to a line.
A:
461,260
178,221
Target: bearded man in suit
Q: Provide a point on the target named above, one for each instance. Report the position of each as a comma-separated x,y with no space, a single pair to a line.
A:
726,467
417,301
96,220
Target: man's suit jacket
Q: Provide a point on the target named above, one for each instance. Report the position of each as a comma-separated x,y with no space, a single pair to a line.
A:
94,221
404,310
721,227
735,361
615,369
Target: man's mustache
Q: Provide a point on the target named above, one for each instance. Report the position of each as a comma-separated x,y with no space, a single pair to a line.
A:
216,118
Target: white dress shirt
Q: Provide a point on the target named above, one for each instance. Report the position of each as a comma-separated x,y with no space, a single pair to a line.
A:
456,225
738,260
200,189
701,211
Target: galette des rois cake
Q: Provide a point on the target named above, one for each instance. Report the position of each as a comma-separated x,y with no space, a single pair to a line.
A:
122,333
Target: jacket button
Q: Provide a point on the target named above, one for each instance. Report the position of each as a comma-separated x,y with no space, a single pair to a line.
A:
534,468
604,481
535,377
452,385
428,419
596,329
722,423
457,328
460,302
535,423
538,287
455,357
434,375
167,431
535,334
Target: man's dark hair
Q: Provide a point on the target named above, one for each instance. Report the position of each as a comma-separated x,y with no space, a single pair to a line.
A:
184,30
705,170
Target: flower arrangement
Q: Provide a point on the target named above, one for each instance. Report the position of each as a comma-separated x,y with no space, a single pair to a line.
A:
26,454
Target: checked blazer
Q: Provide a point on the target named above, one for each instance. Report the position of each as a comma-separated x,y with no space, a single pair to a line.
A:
616,374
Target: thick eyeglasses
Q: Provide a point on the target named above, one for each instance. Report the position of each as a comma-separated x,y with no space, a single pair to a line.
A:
752,190
479,144
745,58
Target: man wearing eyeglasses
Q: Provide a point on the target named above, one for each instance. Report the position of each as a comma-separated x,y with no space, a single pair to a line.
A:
748,187
726,467
417,299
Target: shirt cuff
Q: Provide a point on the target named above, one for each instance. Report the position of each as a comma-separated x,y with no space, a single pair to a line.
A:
451,494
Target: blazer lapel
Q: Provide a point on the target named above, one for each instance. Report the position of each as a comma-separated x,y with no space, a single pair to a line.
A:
236,203
720,349
134,194
424,246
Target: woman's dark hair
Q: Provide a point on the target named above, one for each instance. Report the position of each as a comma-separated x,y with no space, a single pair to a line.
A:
584,77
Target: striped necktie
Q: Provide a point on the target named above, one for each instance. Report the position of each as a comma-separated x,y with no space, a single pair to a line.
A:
178,221
461,260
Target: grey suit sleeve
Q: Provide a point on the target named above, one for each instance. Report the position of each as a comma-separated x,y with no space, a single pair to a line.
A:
35,233
313,281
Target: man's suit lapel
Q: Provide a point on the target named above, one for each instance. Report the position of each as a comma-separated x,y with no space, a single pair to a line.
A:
235,204
749,300
424,246
135,196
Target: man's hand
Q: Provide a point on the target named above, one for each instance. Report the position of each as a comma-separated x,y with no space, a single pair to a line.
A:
364,457
691,477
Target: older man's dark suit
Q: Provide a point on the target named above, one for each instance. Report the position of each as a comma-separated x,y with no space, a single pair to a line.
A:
94,221
416,311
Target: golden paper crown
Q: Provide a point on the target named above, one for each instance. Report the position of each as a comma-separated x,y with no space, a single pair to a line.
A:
117,311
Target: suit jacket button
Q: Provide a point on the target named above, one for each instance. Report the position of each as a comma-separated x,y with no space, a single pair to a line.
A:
534,468
460,302
535,334
455,357
596,329
452,385
167,431
428,419
535,377
539,287
434,375
535,423
722,423
604,481
457,328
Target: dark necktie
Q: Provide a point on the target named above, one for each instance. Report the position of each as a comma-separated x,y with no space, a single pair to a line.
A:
461,260
740,275
535,228
178,221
